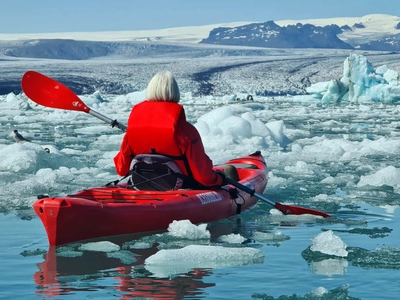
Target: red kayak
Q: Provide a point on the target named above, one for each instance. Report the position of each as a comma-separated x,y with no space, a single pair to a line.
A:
117,210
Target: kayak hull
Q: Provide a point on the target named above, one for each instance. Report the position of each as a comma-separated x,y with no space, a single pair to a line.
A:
117,210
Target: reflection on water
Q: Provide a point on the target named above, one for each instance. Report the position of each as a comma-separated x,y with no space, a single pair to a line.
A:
67,269
329,266
59,275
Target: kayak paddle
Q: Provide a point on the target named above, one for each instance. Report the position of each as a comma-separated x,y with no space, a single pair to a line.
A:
285,209
47,92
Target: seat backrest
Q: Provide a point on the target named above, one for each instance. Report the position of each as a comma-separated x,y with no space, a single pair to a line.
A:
155,172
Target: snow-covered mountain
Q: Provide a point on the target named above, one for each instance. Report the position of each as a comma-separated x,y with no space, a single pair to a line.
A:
371,32
363,29
271,35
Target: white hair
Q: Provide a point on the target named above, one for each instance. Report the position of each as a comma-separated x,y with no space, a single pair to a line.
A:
163,87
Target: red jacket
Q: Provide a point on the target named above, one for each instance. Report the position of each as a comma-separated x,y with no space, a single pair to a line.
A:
162,127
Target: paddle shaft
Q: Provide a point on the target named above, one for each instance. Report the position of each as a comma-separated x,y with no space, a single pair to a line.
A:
113,123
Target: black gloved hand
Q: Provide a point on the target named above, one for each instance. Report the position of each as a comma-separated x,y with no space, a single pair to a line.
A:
114,123
223,176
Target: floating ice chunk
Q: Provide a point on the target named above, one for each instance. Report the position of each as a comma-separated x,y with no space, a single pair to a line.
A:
34,252
360,83
385,257
18,157
125,102
278,216
274,181
276,128
92,100
387,176
104,246
257,126
276,237
381,145
391,76
381,70
69,253
329,148
318,88
30,157
319,291
203,128
137,245
124,256
205,256
178,261
236,127
46,176
358,68
301,167
185,229
216,116
330,244
384,93
222,122
231,239
335,92
296,148
11,97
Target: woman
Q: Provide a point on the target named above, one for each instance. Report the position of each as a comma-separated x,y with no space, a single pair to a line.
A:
158,125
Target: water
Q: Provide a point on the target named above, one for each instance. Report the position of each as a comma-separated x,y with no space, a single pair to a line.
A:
333,148
32,270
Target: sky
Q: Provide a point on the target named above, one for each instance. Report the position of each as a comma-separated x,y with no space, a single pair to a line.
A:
43,16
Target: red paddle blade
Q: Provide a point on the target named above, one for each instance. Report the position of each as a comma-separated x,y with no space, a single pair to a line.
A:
295,210
47,92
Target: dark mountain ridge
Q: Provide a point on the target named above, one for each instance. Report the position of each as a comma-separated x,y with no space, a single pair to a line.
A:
271,35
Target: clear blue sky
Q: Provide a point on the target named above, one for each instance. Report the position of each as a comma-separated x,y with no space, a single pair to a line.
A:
40,16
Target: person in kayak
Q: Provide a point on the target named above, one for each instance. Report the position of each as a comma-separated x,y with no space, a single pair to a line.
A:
158,126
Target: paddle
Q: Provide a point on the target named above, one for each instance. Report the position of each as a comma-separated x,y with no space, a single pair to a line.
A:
285,209
50,93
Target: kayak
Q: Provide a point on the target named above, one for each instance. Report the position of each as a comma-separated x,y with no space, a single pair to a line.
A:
114,210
